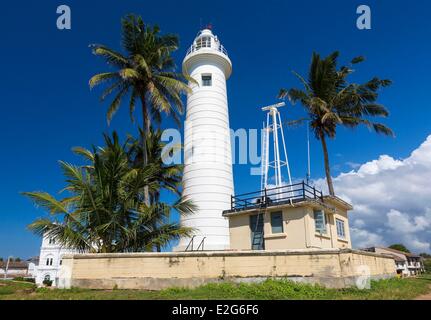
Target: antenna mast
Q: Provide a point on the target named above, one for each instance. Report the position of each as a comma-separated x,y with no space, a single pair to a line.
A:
274,125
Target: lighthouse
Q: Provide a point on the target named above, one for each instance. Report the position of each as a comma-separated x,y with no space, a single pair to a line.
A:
207,178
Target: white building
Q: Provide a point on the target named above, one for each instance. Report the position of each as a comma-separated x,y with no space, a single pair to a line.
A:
51,253
407,264
207,179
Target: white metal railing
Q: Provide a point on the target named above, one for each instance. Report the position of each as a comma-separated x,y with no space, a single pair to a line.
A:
206,44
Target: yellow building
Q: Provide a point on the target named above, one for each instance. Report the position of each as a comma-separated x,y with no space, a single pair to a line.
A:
291,217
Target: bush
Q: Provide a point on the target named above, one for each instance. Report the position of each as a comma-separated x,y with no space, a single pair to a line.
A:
31,280
47,282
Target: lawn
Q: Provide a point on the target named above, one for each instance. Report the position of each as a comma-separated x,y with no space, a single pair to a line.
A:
392,289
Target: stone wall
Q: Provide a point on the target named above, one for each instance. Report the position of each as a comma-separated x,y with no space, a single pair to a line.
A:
154,271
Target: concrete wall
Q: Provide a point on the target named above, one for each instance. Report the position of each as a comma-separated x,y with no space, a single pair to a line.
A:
298,229
155,271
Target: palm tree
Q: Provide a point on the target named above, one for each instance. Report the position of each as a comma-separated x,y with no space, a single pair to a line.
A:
145,73
330,100
170,177
105,209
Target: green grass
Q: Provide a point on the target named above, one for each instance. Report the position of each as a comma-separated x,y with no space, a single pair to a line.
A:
391,289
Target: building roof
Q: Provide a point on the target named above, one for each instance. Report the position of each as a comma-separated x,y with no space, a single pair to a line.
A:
34,260
397,258
406,254
14,265
412,255
338,201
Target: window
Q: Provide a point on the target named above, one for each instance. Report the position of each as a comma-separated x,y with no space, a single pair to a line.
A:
47,278
203,42
206,80
61,262
320,221
51,241
341,233
49,261
277,222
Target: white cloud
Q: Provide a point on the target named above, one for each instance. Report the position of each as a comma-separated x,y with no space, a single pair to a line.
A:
358,223
363,238
402,223
376,166
353,165
391,199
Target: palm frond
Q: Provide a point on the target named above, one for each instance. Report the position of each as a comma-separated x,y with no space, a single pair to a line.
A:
46,201
87,154
110,55
102,77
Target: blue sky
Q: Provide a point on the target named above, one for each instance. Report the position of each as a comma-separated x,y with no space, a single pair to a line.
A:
47,107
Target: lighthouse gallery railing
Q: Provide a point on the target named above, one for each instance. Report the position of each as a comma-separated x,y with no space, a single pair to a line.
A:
203,45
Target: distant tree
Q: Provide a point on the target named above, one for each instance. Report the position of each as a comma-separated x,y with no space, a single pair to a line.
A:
1,259
427,265
17,259
425,255
399,247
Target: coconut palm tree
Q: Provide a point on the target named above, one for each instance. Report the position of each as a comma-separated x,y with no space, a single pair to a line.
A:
167,179
105,210
146,72
171,176
330,100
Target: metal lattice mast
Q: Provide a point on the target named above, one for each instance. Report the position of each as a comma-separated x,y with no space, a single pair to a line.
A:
274,125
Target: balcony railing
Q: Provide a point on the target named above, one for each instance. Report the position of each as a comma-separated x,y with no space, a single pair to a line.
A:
205,45
275,196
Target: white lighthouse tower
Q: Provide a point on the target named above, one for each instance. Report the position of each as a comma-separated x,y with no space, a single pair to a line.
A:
207,179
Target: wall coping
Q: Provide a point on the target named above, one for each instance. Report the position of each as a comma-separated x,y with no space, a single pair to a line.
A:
225,253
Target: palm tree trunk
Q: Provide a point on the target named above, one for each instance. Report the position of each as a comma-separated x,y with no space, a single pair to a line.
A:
327,167
147,126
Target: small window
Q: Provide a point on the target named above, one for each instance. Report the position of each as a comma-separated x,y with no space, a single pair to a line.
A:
320,222
203,42
49,261
47,277
51,241
277,222
61,262
206,80
341,233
